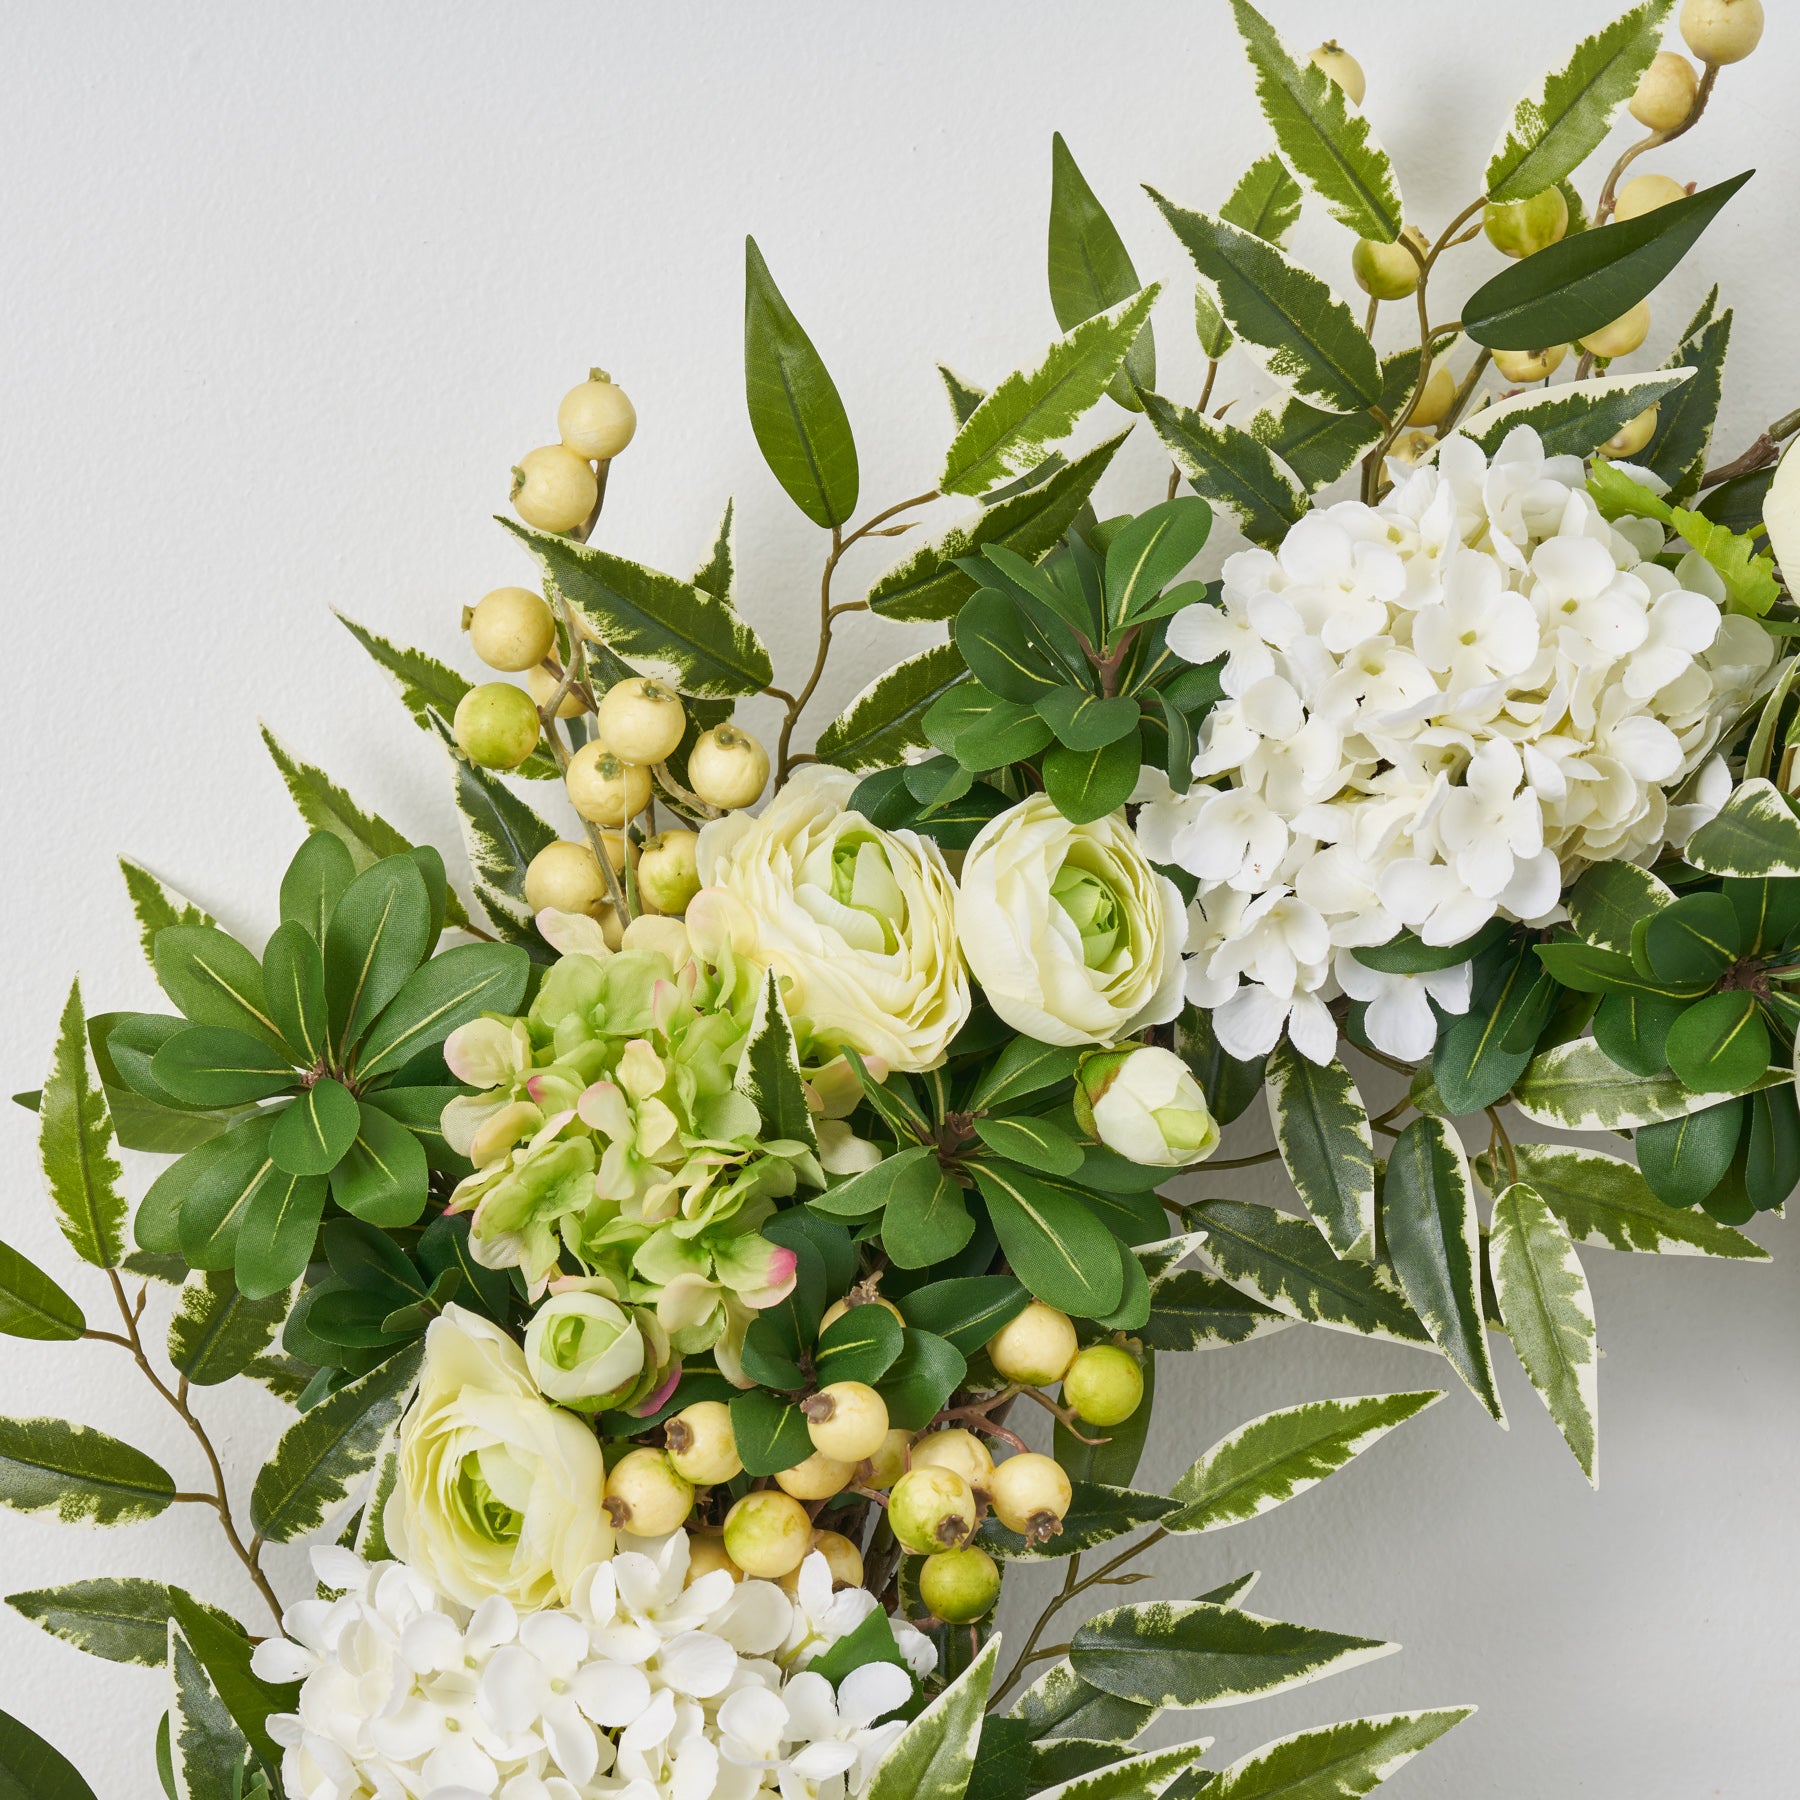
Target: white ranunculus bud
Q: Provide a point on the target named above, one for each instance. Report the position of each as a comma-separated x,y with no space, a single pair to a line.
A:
859,923
1144,1102
584,1350
1073,936
498,1491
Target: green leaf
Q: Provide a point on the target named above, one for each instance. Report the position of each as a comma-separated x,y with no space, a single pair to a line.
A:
1434,1240
1209,325
983,731
860,1346
280,1225
870,1642
378,935
209,1752
1097,1514
930,585
222,1649
1571,288
211,1065
501,835
921,1379
214,980
768,1073
1555,131
1229,1085
927,1220
1088,784
1024,1067
1149,553
313,885
1085,722
1695,939
1191,1310
1577,1087
1549,1315
1322,1131
1060,1705
1295,328
770,1432
1748,575
1317,446
1574,418
1720,1045
1279,1456
217,1332
32,1305
864,1195
1604,1201
82,1475
327,1451
1609,900
659,625
447,992
384,1175
1013,428
1265,202
1684,426
966,1310
156,905
1174,1653
1755,834
1325,140
1090,268
1230,468
1334,1762
1006,650
1053,1242
799,420
124,1618
31,1769
75,1145
1037,1143
294,988
964,396
886,719
1283,1262
934,1757
197,1205
1144,1776
1471,1063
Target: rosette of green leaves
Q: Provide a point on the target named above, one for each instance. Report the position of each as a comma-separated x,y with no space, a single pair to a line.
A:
1070,675
323,1059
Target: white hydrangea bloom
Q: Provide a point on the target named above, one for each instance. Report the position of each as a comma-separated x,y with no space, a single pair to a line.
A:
643,1688
1437,711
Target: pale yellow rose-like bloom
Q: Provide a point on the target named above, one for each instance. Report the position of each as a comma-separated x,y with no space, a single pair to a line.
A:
859,923
1073,936
498,1491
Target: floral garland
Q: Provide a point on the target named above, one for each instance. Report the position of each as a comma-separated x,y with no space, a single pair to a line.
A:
665,1275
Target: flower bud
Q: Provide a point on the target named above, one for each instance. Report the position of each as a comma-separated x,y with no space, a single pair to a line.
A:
669,871
1341,67
1645,193
596,419
846,1421
1530,365
496,725
1722,31
962,1451
604,789
1524,227
817,1478
1632,436
512,629
1622,336
585,1351
727,768
931,1509
645,1496
767,1534
1665,92
702,1446
959,1585
1104,1384
553,489
640,720
1144,1103
1034,1348
1030,1495
1388,271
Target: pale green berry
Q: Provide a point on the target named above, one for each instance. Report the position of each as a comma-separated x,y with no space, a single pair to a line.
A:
496,725
1388,271
1722,31
959,1586
1104,1384
645,1496
702,1446
931,1509
1530,365
1622,336
1035,1347
846,1421
669,870
640,720
1030,1494
767,1534
512,629
1524,227
603,788
888,1463
1632,436
596,419
817,1478
1665,92
1645,193
553,489
727,768
707,1552
841,1556
962,1451
1341,67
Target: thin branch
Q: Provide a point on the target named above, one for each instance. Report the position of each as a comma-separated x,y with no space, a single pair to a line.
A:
1603,207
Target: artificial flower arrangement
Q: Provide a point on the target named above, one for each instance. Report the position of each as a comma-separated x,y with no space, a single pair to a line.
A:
661,1275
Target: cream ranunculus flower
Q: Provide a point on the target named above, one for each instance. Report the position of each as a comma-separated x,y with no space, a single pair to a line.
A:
1074,938
859,922
498,1491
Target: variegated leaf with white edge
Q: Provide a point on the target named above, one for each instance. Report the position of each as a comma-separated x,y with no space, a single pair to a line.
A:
1265,202
371,1541
207,1749
1059,1704
1577,1087
768,1073
1322,1131
1140,1777
1231,468
1574,418
1755,835
155,904
1334,1762
1605,1202
718,574
1279,1456
884,721
934,1757
1195,1654
500,832
121,1618
77,1150
1549,1314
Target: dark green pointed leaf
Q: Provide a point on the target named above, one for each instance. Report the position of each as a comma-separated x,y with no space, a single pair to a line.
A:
1697,938
1229,1085
33,1769
1471,1063
1097,1514
799,420
223,1651
1633,1030
1609,900
1317,446
886,719
1090,268
83,1476
861,1346
1322,1131
32,1305
770,1432
1772,1160
1059,1705
1037,1143
209,1065
449,991
1191,1310
294,985
926,1220
965,1311
1604,1201
207,1750
1053,1242
1574,287
1684,1159
920,1380
1024,1067
1230,468
379,934
218,1331
197,1205
983,731
1575,1086
214,981
1684,425
1085,722
383,1177
935,1756
866,1194
1265,202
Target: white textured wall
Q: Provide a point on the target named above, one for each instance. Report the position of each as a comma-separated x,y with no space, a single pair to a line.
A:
285,290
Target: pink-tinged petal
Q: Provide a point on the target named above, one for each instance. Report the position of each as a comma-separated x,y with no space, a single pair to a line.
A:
659,1395
572,934
782,1276
604,1108
665,1004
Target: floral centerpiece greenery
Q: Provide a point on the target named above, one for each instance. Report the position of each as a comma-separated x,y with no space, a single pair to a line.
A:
661,1276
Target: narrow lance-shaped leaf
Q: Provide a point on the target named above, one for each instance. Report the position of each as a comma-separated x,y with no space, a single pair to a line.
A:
155,905
1684,425
122,1618
1325,140
1230,468
1578,1087
217,1332
886,719
1334,1762
1433,1237
75,1146
769,1071
34,1306
501,833
84,1476
934,1757
1090,268
31,1768
1014,427
208,1750
1554,131
795,411
1281,1455
1549,1316
1573,418
1322,1131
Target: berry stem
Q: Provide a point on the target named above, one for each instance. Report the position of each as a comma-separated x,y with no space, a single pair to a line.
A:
1603,207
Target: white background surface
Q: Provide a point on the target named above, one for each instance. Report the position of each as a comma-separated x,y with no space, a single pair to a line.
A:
285,291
